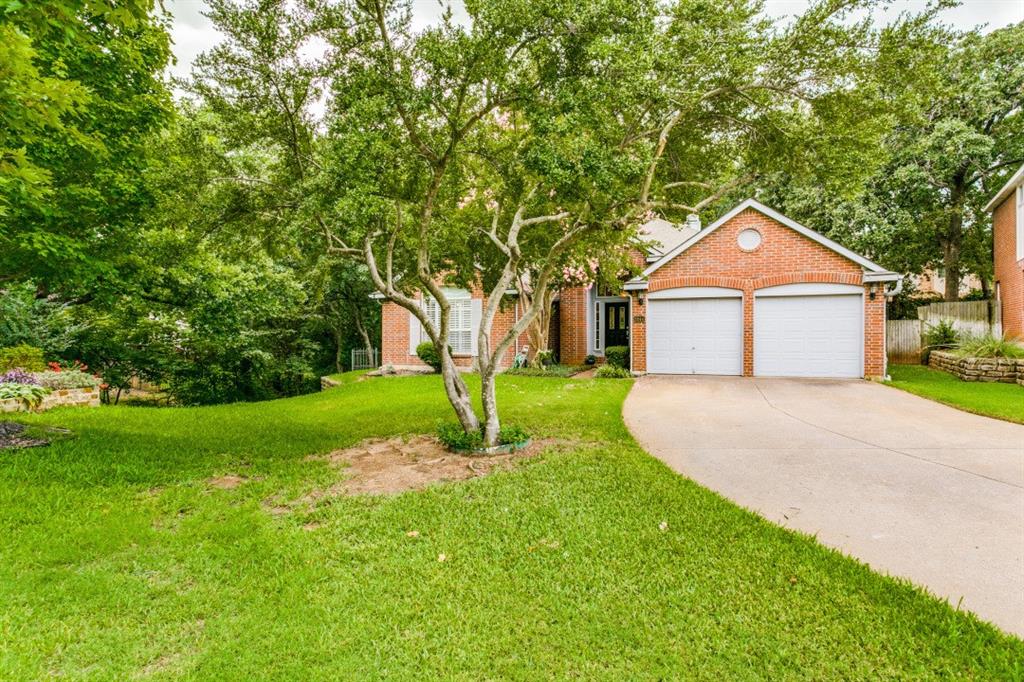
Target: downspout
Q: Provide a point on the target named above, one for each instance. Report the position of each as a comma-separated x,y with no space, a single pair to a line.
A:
889,293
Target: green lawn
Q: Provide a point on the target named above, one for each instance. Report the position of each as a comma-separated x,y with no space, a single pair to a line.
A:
118,561
1003,401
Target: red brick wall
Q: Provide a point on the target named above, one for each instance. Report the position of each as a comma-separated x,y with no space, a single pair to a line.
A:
573,325
1009,272
784,257
395,333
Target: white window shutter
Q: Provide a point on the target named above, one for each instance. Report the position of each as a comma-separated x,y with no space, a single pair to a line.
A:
416,332
476,315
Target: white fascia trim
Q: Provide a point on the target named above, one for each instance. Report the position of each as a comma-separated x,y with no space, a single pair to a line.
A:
377,296
635,285
694,292
882,277
1016,179
775,215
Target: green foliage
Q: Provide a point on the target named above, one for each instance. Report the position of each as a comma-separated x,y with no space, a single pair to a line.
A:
617,356
457,439
590,360
546,371
24,356
989,347
428,354
610,371
544,358
69,378
941,335
29,395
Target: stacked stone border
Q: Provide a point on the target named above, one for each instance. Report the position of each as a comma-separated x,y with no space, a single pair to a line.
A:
1001,370
61,397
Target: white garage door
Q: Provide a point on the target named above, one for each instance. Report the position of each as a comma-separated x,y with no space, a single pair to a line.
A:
695,336
809,336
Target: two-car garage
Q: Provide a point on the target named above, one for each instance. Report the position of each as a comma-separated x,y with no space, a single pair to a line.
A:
799,330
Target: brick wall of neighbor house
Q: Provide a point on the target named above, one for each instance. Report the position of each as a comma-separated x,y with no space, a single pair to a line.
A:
784,257
395,334
572,316
1009,272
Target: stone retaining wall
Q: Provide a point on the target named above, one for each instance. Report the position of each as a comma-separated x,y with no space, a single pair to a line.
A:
1003,370
61,397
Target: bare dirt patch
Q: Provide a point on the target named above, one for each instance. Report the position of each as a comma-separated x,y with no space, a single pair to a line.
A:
226,482
395,465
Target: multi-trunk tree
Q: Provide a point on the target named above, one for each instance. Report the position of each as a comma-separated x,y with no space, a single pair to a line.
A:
497,151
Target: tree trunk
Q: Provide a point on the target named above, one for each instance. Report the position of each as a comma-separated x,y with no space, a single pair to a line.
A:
489,398
951,248
458,394
337,351
361,328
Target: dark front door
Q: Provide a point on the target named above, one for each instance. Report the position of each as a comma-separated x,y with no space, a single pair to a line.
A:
616,324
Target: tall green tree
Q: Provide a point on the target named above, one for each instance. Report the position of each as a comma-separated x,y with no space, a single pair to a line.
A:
81,90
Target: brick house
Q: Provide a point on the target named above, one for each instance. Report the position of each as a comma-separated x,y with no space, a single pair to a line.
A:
1007,208
752,294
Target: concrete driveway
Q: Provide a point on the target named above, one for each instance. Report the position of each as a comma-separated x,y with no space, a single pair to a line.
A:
913,488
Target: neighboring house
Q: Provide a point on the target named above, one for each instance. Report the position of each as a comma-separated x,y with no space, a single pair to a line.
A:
1007,208
753,294
934,282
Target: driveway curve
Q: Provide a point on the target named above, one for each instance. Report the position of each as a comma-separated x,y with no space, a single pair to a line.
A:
909,486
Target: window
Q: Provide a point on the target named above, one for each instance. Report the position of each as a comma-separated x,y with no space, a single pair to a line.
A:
597,326
460,322
1020,223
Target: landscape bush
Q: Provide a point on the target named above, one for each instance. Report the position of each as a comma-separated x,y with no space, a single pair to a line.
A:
989,347
29,395
562,371
453,437
428,354
590,360
940,336
24,356
617,356
608,371
19,376
68,378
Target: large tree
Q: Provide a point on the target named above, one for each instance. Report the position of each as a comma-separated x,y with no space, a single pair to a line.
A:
534,135
81,90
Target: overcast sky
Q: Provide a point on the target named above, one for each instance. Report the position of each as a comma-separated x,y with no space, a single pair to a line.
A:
193,34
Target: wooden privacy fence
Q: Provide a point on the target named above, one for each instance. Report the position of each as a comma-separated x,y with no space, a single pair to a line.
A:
904,338
903,341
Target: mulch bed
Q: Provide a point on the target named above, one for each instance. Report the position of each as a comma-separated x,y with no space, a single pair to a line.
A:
12,437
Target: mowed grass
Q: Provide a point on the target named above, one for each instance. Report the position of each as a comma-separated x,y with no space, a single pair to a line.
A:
119,561
1002,401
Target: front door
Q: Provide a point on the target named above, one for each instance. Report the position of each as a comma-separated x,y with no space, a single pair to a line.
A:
616,324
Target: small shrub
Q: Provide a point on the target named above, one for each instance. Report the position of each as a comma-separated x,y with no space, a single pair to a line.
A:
617,356
990,347
561,371
28,358
545,358
19,376
428,354
454,437
612,372
67,378
940,336
28,395
512,435
590,360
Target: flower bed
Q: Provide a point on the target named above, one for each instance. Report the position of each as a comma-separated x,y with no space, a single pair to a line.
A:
63,397
1002,370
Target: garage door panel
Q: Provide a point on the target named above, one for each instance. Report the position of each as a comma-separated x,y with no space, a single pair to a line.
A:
812,336
695,336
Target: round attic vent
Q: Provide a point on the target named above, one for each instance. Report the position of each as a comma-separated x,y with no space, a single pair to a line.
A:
749,239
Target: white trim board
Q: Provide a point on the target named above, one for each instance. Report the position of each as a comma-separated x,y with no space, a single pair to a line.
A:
694,292
1016,179
774,215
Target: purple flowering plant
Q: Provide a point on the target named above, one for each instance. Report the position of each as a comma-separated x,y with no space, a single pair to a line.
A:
18,376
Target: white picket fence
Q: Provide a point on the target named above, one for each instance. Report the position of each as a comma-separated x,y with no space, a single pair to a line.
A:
904,338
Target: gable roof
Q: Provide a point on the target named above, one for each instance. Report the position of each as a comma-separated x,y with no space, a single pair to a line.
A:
662,236
1016,179
874,271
